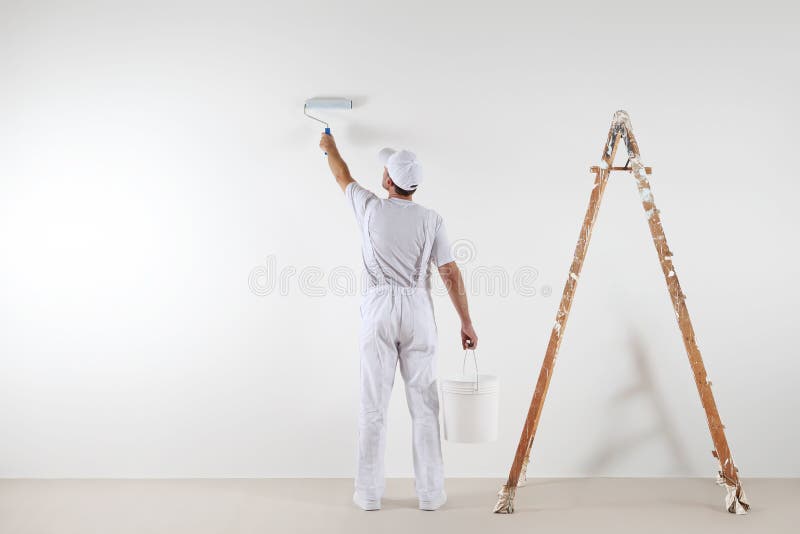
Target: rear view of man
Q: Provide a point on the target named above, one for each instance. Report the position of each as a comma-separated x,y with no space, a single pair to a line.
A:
399,241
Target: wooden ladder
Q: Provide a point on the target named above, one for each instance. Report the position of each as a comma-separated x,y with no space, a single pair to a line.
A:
735,501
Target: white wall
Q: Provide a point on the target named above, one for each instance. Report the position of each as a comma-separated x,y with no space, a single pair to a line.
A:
152,156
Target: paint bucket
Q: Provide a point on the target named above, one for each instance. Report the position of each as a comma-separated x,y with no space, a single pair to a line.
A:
470,406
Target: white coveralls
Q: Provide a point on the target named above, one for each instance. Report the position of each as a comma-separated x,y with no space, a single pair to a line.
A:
399,240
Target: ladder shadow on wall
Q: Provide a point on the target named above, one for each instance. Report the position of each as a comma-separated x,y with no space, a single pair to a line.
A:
661,425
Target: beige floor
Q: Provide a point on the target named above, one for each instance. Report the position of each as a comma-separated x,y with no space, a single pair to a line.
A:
323,506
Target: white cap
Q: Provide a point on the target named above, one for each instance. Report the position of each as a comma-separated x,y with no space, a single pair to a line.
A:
404,169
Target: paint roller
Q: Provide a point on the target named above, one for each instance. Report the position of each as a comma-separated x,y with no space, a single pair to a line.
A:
314,104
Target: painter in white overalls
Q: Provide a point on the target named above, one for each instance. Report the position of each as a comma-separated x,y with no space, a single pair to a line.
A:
400,240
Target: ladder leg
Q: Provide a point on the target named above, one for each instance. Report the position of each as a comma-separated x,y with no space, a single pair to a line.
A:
505,502
736,500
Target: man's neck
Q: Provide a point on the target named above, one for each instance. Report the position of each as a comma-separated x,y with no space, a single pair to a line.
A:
392,194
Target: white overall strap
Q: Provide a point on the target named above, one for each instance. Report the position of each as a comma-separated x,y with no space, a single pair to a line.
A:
368,250
425,257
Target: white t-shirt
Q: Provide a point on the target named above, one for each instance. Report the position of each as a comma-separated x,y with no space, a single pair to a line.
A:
397,228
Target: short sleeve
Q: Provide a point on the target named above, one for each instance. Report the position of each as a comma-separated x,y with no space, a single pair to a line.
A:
358,198
441,252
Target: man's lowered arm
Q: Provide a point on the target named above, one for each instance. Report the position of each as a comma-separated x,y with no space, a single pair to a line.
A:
451,275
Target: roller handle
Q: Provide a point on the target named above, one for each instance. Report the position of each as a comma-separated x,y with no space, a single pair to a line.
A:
327,132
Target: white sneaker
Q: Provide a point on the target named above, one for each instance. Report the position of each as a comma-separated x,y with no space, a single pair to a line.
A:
367,505
433,504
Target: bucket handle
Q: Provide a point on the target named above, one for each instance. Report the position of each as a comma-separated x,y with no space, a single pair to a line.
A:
464,365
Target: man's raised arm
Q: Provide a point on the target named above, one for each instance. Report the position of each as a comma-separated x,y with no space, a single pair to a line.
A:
335,161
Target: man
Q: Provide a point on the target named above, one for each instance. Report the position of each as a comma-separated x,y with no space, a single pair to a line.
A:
400,239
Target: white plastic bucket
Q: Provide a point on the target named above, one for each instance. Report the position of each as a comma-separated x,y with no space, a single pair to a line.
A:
470,407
